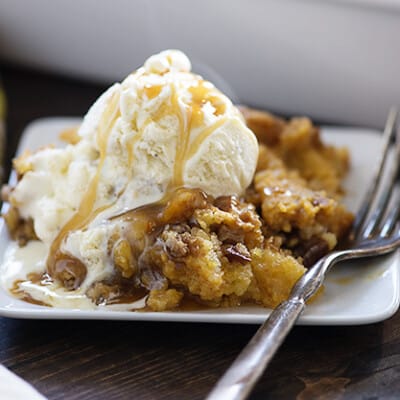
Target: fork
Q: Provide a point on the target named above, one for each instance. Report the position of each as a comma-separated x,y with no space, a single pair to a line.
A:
375,232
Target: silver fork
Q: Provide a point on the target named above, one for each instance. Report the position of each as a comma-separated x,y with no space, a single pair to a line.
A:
375,232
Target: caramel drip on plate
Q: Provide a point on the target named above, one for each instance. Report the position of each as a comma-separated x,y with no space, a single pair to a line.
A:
86,210
38,279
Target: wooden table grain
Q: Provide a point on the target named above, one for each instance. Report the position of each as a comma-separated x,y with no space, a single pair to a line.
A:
147,360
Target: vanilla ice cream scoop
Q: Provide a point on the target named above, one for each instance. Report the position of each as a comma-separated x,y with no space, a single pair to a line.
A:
162,128
182,131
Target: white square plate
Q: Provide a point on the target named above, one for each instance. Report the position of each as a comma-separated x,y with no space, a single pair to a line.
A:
354,293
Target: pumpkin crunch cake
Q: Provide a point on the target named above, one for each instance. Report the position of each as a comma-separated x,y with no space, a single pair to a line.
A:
168,196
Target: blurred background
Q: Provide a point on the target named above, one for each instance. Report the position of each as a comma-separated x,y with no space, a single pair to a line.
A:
337,61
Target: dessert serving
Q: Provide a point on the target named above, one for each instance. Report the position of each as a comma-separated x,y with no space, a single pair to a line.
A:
169,196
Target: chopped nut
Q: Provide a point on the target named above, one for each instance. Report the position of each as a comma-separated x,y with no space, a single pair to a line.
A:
237,252
70,271
180,228
176,244
225,203
183,205
317,248
230,235
102,293
20,230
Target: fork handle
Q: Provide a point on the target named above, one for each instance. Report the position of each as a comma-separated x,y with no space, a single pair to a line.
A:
245,371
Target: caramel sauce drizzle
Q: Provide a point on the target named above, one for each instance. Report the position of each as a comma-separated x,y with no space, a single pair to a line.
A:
202,136
202,94
193,118
190,116
38,279
181,143
85,211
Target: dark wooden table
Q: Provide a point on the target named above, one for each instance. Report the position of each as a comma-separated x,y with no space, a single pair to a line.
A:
142,360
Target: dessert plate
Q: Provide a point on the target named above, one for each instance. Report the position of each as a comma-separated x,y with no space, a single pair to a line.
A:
354,293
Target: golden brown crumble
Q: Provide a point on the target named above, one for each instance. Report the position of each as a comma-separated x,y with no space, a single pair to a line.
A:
298,144
21,230
217,254
288,204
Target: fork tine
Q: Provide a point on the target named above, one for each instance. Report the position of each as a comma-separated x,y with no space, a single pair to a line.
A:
392,217
372,190
381,208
